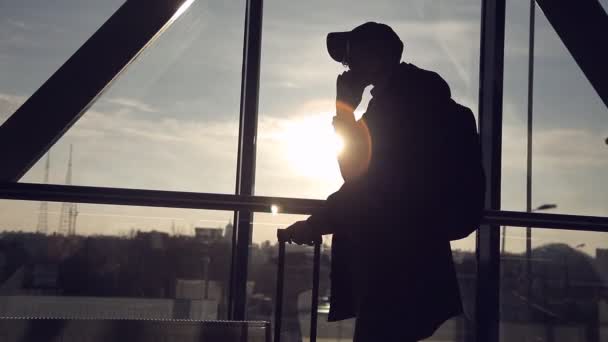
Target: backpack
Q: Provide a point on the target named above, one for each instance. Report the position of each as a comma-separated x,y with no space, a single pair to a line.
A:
465,183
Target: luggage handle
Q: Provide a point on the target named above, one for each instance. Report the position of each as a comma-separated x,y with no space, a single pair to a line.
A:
278,312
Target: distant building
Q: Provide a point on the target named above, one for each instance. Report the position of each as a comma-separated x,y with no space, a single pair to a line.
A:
228,231
207,235
154,239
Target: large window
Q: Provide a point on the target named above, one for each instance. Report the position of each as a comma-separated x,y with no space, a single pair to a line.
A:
569,152
553,282
296,145
170,121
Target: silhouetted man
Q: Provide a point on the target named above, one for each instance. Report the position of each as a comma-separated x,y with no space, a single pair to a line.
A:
412,173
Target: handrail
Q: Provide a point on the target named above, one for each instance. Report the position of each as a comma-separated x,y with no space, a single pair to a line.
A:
194,200
544,220
154,198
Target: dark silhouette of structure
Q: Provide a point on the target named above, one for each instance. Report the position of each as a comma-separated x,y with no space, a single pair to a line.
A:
413,154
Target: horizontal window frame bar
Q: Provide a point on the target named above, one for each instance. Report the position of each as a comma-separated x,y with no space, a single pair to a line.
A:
547,221
155,198
261,204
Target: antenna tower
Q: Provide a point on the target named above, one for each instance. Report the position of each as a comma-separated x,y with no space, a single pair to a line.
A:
69,211
43,213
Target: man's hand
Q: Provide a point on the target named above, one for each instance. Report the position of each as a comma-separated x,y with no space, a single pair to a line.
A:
349,92
300,232
355,156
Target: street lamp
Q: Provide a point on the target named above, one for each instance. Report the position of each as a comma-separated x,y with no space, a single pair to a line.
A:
546,206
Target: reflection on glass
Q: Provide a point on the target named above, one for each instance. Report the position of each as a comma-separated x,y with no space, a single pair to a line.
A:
183,8
298,285
296,142
37,37
117,262
561,295
170,121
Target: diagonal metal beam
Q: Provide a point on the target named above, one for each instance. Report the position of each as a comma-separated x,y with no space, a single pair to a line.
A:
66,95
582,26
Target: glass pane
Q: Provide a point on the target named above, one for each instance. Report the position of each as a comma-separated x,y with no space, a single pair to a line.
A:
569,124
37,37
170,121
298,285
513,176
296,146
557,291
65,260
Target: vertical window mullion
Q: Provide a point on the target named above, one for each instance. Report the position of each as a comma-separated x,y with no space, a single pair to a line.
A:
245,177
490,126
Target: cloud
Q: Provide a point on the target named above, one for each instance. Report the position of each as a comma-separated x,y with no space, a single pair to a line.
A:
569,168
571,149
558,149
143,151
155,152
132,104
19,34
18,24
296,67
132,150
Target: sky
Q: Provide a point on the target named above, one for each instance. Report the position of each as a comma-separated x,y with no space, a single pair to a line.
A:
170,121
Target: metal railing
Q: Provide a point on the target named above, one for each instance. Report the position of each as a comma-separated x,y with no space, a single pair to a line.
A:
208,201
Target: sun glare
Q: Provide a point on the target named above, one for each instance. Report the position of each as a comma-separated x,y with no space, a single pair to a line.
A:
311,146
339,144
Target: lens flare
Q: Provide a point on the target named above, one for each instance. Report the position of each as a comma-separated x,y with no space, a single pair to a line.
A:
274,209
310,147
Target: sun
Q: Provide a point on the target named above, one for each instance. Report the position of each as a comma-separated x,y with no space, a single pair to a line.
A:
311,146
